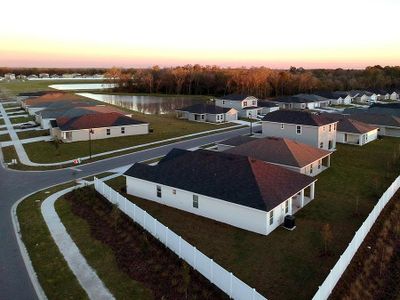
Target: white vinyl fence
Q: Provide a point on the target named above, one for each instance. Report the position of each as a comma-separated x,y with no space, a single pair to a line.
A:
226,281
331,280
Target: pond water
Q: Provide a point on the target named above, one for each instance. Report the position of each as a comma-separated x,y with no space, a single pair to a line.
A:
153,105
82,86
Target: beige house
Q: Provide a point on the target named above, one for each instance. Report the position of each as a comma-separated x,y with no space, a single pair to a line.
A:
286,153
303,126
96,126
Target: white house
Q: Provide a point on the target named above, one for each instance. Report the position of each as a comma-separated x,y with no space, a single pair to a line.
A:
247,106
394,96
9,76
336,98
232,189
303,126
44,75
286,153
389,125
96,126
267,107
207,113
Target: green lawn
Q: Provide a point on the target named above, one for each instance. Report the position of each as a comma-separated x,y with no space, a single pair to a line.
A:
100,256
164,127
1,121
291,264
21,120
32,133
55,277
5,137
13,106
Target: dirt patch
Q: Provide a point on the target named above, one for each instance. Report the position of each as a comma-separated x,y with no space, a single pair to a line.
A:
138,253
374,272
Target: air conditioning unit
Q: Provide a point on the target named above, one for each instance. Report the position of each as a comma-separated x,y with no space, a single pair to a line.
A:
289,222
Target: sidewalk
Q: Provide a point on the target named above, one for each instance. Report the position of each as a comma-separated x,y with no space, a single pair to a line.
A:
46,138
86,276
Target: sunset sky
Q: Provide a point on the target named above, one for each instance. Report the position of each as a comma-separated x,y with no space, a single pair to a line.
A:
277,34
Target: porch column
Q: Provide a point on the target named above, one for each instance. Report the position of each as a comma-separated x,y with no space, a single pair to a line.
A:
360,139
302,197
312,190
329,161
290,205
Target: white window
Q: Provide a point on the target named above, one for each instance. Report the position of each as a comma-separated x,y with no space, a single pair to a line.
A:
330,128
174,191
321,145
223,101
298,129
286,206
282,126
158,191
254,103
108,131
319,164
323,128
195,201
311,169
334,126
271,217
244,103
123,130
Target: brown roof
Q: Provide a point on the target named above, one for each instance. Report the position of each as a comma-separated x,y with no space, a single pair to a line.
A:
233,178
280,151
95,121
354,126
52,97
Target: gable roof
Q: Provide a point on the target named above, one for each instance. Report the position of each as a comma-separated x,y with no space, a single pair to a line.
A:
95,121
291,99
280,151
233,178
297,117
266,103
311,97
235,97
237,140
203,108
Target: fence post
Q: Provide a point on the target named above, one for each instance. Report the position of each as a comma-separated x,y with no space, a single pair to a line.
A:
230,284
166,236
125,204
194,257
254,294
134,212
212,270
144,220
155,227
180,247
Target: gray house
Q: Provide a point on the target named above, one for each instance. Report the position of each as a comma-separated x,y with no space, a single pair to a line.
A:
207,113
389,125
246,105
303,126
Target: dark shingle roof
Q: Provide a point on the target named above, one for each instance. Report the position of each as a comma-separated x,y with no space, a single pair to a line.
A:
297,117
95,121
266,103
280,151
235,97
237,140
311,97
205,109
377,119
233,178
291,99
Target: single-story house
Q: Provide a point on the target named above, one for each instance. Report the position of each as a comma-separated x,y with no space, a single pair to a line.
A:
353,132
336,98
286,153
389,125
72,109
395,95
246,105
244,192
233,142
207,113
364,96
303,126
9,76
267,106
302,101
98,126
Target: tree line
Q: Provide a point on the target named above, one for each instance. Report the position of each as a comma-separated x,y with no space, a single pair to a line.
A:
261,82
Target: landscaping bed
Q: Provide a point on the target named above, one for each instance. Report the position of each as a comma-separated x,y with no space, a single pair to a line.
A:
5,137
21,120
142,257
292,264
374,272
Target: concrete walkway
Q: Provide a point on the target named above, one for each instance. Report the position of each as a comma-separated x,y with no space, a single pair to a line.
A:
16,112
16,116
23,157
46,138
86,276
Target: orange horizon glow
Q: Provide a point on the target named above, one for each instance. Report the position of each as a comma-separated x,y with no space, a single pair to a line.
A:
310,34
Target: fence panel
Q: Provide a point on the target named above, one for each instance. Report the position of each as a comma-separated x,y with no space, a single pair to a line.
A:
331,280
226,281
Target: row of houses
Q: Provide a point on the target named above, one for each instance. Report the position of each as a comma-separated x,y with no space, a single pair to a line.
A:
251,182
72,118
12,76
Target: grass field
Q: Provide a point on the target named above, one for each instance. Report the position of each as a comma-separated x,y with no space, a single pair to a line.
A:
32,133
21,120
99,256
55,277
164,127
291,264
1,122
15,87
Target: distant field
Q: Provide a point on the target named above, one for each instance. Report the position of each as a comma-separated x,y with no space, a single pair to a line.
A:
291,264
15,87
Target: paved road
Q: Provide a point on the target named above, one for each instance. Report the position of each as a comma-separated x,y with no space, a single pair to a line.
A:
14,280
